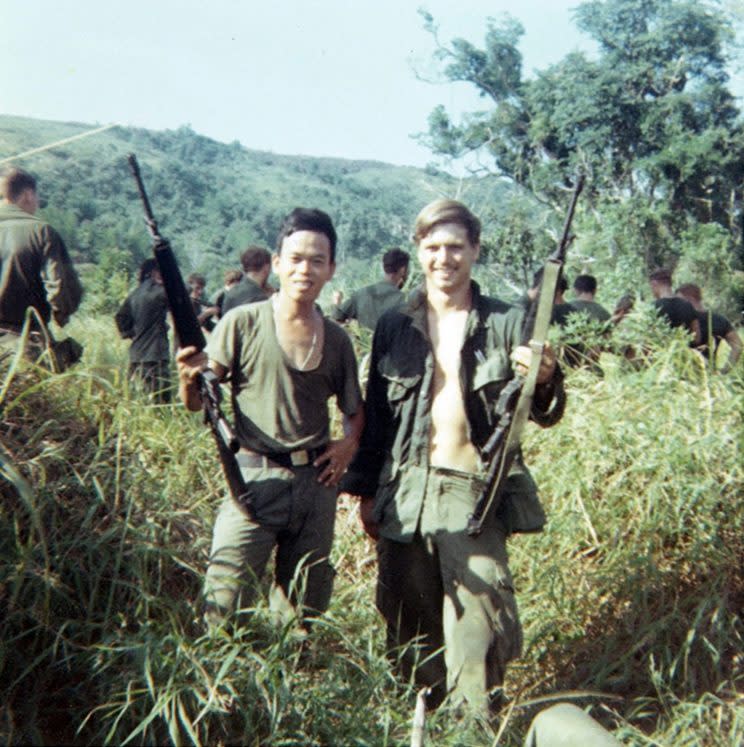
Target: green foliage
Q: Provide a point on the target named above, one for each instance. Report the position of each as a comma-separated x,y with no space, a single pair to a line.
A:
109,282
211,199
649,120
630,598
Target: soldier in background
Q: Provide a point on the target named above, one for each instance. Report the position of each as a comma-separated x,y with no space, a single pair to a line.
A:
204,312
142,319
256,262
561,308
713,327
585,287
575,352
676,311
35,269
367,304
232,278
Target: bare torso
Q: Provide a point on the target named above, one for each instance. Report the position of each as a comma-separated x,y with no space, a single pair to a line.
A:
450,444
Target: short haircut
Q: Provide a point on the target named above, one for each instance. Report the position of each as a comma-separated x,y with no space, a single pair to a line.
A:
625,303
196,279
233,276
147,268
446,211
394,259
690,290
661,275
585,284
308,219
255,258
14,182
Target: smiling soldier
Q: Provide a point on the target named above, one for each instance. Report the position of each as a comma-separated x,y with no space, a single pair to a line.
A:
284,361
438,366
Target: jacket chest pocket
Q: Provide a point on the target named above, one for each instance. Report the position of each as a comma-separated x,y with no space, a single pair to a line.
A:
402,383
490,376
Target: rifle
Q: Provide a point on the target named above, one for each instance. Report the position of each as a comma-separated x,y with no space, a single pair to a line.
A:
189,333
515,400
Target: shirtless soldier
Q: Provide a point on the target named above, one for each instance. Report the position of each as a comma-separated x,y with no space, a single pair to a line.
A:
438,366
284,361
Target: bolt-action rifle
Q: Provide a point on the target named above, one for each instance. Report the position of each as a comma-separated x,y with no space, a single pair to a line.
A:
189,333
515,402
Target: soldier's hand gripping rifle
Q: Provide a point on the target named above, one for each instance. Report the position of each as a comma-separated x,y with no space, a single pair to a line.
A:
189,333
515,402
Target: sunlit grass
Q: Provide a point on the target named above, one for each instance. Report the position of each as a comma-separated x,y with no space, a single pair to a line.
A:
630,599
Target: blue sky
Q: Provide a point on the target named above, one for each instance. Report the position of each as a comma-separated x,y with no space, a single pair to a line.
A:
316,77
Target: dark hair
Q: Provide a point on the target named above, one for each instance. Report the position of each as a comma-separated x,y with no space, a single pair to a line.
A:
254,258
146,269
196,278
625,303
661,275
394,259
308,219
690,290
446,211
14,182
585,284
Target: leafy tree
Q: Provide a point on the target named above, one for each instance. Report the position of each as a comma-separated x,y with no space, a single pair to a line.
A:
651,115
649,119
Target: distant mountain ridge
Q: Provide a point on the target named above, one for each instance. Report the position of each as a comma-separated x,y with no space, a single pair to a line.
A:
212,199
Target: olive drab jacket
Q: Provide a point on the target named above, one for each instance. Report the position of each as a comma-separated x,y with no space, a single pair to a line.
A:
35,270
392,460
368,304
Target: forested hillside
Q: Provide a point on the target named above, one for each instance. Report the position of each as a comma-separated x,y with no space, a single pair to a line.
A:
212,199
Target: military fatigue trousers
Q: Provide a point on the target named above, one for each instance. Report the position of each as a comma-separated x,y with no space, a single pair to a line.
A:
291,511
448,598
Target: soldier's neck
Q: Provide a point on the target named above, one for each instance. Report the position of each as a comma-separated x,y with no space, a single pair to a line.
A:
288,308
440,302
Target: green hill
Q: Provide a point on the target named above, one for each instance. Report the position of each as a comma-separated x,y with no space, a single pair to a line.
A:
212,199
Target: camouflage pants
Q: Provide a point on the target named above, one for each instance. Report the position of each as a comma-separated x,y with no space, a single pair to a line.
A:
448,598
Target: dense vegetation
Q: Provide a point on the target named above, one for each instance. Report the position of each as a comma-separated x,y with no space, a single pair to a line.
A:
631,598
649,119
210,199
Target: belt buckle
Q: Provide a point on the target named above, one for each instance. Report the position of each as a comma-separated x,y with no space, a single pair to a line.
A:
299,458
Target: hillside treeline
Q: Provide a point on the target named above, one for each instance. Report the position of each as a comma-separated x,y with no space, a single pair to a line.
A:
212,199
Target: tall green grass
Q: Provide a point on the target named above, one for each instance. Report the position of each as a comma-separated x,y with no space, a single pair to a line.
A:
631,598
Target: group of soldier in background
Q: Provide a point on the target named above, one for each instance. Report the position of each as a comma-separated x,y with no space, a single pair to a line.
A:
409,450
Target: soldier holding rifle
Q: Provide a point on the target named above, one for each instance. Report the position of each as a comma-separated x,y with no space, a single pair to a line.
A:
439,365
283,360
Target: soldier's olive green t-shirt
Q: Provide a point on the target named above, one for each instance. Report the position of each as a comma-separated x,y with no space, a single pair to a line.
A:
277,407
593,309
